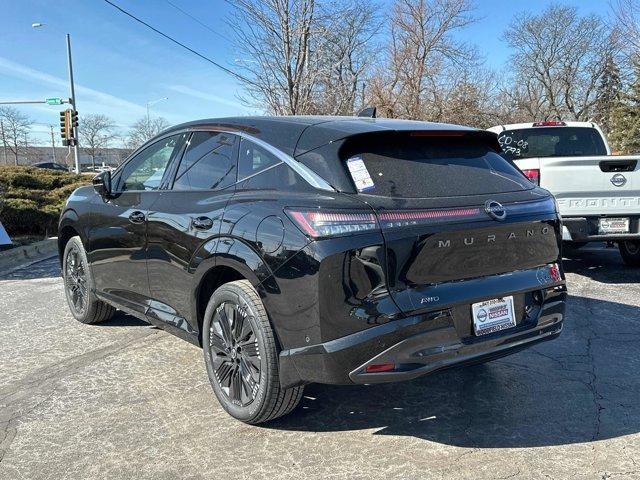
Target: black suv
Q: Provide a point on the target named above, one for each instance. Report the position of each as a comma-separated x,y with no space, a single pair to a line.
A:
319,249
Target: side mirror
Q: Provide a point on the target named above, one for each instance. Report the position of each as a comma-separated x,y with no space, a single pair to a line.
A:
102,184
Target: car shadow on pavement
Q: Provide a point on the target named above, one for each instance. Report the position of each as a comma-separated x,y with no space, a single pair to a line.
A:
121,319
578,388
602,264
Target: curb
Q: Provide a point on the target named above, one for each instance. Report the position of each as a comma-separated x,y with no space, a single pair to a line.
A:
24,256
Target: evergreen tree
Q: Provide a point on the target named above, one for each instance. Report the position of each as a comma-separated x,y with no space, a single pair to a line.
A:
625,119
608,94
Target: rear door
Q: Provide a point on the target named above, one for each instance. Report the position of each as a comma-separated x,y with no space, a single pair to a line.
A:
186,216
450,209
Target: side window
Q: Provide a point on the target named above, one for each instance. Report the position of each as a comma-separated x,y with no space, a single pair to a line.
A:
281,177
253,159
208,163
146,169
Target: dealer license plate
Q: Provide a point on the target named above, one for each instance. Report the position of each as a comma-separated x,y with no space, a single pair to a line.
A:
613,225
493,315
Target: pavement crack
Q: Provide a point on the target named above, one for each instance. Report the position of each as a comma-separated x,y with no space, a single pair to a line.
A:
13,397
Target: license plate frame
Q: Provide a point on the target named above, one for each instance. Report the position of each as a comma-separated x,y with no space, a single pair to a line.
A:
613,225
502,311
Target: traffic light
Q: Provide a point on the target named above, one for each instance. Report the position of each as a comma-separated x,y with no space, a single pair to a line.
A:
66,131
68,121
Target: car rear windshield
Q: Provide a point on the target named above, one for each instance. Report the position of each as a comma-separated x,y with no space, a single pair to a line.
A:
551,142
419,167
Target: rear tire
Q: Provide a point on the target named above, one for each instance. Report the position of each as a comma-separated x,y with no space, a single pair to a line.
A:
574,245
78,286
630,252
241,356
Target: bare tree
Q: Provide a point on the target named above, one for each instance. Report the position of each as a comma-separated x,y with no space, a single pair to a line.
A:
14,129
555,64
96,132
273,37
302,56
627,21
345,55
423,57
145,129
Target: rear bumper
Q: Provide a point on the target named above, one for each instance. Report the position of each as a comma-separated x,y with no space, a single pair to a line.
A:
417,356
424,343
585,229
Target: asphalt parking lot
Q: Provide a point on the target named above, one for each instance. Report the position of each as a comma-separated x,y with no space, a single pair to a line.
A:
124,400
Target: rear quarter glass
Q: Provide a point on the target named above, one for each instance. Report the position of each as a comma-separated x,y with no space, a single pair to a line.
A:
428,167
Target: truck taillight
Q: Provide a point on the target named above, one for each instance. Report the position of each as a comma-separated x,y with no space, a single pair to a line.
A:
330,223
550,123
533,174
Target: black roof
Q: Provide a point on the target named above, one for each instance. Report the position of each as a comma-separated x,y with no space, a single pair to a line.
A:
295,135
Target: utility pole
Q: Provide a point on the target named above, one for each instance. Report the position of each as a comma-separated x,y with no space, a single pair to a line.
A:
4,142
76,151
53,144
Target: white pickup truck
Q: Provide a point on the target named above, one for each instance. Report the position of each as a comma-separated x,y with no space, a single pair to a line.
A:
598,194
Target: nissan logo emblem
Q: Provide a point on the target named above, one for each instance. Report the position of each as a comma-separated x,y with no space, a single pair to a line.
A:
618,180
495,210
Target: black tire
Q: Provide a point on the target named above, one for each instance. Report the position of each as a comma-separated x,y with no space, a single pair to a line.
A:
630,252
78,286
246,382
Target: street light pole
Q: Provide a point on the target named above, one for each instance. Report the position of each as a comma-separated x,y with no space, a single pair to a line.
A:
153,102
76,150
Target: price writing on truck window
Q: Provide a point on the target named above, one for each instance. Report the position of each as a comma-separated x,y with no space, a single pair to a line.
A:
510,146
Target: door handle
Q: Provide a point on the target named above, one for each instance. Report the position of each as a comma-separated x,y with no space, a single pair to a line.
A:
137,217
202,223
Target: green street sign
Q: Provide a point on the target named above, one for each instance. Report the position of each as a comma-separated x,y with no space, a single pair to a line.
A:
54,101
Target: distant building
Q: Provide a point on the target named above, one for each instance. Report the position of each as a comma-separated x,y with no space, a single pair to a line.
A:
109,156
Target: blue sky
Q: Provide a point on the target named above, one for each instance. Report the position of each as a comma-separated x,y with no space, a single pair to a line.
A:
119,65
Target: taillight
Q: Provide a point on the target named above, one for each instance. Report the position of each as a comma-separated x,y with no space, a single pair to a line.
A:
550,123
533,174
327,223
400,218
554,272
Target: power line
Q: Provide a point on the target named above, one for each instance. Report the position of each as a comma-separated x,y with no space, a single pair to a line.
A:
197,20
204,57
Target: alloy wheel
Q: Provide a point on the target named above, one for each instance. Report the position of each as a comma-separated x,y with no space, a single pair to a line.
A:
76,280
234,350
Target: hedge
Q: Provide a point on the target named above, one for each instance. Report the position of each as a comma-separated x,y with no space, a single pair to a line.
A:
34,197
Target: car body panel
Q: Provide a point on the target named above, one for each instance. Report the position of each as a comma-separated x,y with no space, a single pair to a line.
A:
173,240
117,248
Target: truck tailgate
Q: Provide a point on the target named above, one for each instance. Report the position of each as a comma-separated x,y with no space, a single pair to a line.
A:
595,185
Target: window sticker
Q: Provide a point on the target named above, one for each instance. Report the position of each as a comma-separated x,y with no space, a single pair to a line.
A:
360,174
